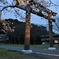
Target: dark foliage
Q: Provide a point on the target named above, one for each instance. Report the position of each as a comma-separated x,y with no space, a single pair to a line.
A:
1,26
18,36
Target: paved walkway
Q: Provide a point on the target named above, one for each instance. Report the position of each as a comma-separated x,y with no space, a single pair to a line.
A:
39,53
54,53
33,49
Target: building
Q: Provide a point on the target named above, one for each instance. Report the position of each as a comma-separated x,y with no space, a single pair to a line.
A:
45,38
3,37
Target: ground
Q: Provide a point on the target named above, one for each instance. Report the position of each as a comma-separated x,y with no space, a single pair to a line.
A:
13,51
7,54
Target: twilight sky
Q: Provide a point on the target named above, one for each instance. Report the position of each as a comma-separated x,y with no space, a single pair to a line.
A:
34,19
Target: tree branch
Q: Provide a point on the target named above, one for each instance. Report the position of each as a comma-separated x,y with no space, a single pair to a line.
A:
53,3
41,7
34,12
7,7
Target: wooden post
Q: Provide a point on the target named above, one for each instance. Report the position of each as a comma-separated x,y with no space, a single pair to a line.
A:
0,15
27,29
51,34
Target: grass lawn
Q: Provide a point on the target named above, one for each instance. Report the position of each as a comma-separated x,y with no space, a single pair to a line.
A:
46,46
7,54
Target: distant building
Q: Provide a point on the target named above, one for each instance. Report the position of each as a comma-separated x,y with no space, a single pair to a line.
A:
3,37
45,38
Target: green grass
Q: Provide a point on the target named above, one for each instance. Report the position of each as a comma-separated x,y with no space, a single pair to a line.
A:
40,46
57,46
46,46
12,45
33,46
7,54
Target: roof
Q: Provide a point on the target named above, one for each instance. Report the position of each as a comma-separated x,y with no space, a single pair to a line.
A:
2,32
3,37
47,36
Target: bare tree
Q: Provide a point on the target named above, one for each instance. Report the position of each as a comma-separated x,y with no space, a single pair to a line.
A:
53,3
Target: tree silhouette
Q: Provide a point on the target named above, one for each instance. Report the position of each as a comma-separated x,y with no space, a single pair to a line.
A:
19,32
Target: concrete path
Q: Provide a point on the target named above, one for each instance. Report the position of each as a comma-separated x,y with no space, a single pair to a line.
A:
11,47
47,54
